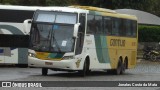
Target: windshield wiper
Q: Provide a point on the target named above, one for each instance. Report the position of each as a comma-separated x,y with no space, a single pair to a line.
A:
52,35
57,44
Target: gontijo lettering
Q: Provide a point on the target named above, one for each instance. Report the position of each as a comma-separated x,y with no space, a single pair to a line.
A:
117,42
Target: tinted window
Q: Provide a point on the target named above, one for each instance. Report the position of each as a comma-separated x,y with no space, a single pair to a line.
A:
18,41
122,28
128,27
107,25
15,15
134,28
111,26
115,26
131,28
90,24
98,26
82,21
80,39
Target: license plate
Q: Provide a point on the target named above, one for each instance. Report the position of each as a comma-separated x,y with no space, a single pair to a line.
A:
48,63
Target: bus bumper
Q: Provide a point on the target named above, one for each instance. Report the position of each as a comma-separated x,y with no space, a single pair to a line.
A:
63,64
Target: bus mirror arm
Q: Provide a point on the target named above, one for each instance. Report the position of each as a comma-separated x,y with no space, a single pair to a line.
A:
75,32
26,25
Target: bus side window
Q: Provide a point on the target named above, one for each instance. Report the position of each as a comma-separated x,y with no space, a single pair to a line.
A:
90,24
18,16
98,25
82,28
134,26
128,27
107,25
81,31
82,21
115,26
122,28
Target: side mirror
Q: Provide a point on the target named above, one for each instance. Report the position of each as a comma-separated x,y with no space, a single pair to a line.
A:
75,32
27,26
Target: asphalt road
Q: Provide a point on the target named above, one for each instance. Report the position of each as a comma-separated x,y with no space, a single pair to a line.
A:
144,71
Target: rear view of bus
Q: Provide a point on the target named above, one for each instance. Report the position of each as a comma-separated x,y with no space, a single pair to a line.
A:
14,39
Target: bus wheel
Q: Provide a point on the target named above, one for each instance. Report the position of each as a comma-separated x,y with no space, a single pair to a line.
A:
44,71
123,67
118,71
83,72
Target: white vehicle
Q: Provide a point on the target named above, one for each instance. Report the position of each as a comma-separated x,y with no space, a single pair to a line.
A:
13,34
82,39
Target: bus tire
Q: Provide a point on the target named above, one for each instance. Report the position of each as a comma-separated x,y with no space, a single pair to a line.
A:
118,70
44,71
85,70
124,65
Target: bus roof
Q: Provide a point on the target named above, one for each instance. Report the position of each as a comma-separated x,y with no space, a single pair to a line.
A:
94,9
64,9
16,7
80,9
106,12
48,8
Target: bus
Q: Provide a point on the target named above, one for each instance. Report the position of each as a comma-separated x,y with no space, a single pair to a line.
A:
13,37
83,39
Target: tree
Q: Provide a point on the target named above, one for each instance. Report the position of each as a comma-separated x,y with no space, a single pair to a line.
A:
8,1
151,6
32,2
60,2
25,2
148,33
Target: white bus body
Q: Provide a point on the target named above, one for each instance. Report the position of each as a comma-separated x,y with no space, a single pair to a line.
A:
67,38
11,23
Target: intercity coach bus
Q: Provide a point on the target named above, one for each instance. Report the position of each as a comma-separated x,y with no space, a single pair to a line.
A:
82,38
14,40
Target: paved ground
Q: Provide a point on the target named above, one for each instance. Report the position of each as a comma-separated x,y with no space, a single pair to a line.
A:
144,71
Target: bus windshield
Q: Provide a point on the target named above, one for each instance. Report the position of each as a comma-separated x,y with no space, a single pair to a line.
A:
52,31
52,37
55,17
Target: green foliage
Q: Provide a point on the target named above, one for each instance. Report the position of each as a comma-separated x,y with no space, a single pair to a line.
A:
9,2
151,6
57,2
61,2
96,3
24,2
149,33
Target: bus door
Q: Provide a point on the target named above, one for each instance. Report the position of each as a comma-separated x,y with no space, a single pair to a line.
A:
81,32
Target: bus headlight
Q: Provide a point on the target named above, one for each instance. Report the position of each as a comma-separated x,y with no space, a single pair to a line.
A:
67,57
31,54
